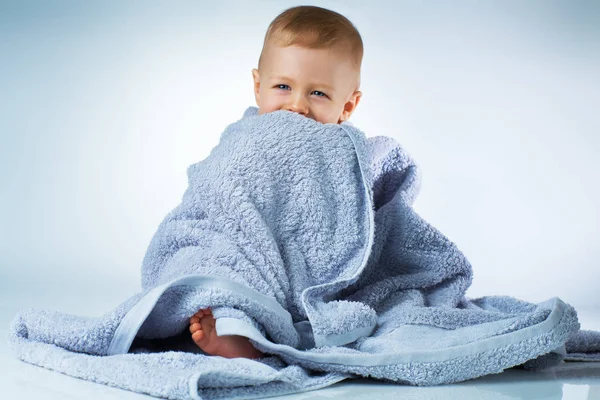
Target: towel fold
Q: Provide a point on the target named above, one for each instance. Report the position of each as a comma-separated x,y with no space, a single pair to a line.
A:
301,236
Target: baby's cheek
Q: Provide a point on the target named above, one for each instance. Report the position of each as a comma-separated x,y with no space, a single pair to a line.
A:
267,107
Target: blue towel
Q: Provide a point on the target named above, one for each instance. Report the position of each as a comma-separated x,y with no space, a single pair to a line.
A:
301,236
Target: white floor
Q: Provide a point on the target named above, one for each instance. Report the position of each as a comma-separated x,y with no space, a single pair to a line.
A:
24,381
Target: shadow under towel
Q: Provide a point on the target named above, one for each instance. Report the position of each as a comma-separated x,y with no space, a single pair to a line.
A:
302,237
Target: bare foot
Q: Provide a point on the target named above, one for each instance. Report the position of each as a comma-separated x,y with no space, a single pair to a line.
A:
204,334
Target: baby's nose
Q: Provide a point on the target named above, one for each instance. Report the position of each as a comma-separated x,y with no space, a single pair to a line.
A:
298,105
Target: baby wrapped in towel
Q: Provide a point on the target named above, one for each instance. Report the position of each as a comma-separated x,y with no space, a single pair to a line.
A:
310,64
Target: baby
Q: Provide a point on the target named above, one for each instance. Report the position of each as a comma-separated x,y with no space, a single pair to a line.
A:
310,64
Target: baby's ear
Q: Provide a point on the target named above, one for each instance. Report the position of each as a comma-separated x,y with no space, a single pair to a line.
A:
350,106
256,78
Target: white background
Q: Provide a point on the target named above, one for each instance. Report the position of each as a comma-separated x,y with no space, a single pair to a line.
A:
103,105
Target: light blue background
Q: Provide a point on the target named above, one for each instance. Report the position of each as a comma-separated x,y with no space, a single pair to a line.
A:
104,104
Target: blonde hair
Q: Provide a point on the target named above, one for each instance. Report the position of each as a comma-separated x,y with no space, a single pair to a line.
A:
315,28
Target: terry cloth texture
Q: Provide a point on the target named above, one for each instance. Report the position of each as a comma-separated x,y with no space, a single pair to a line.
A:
302,237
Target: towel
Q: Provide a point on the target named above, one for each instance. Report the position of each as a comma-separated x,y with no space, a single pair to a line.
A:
301,236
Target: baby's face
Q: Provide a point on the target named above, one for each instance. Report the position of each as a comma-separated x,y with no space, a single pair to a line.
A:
317,83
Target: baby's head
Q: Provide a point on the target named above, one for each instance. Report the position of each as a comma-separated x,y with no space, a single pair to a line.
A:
310,64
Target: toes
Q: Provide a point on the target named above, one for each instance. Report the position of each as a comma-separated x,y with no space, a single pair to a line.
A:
195,327
202,312
198,336
194,320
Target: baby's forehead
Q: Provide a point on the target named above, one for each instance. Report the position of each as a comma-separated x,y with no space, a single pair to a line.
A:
337,50
327,66
283,55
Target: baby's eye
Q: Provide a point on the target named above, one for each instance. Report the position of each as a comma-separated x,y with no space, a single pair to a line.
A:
323,94
280,86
